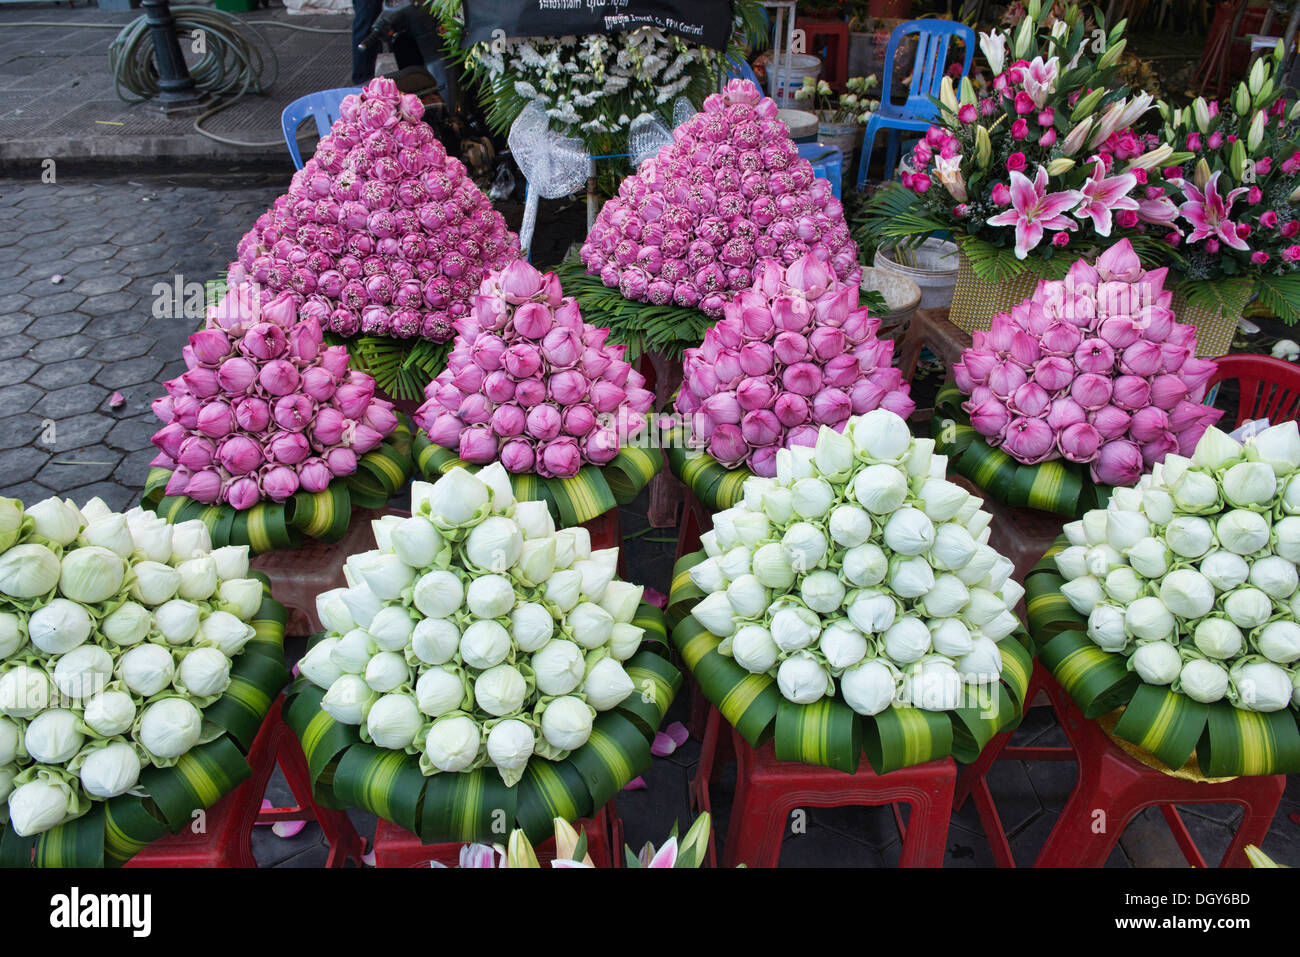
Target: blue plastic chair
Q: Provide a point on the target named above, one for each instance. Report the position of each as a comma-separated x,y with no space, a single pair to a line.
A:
827,163
323,105
917,112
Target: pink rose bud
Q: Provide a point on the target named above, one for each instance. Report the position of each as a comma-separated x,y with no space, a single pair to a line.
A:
1148,424
215,420
264,341
803,378
1110,421
1131,392
196,452
1091,390
279,482
559,458
168,439
727,445
477,444
755,358
314,475
240,455
201,382
1064,413
831,407
518,455
1118,462
561,348
579,419
990,417
1079,442
791,409
761,427
210,346
282,310
1029,440
601,445
204,486
318,383
278,377
756,393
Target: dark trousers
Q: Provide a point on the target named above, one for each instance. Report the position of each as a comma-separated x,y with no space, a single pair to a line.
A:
364,15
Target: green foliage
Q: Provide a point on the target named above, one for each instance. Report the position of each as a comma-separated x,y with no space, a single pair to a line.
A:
400,367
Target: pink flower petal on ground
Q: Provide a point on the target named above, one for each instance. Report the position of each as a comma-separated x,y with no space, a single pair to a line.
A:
655,597
677,731
663,745
116,400
636,784
287,828
368,858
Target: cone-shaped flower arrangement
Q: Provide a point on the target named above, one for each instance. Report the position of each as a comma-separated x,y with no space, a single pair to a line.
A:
1188,585
693,225
266,409
381,232
794,352
1092,368
120,636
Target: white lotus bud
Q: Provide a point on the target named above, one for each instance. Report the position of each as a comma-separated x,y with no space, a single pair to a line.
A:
906,640
353,651
802,679
83,671
415,541
1247,607
317,666
606,684
1275,577
1187,593
880,489
1279,641
439,691
1189,536
869,687
625,640
821,591
849,525
111,770
754,650
566,723
500,690
1106,628
387,671
509,746
59,627
1149,619
169,728
910,576
436,640
494,544
333,612
362,603
438,594
559,666
564,588
794,628
393,721
226,632
843,645
484,644
534,520
982,664
950,637
454,742
865,565
109,714
1242,532
348,699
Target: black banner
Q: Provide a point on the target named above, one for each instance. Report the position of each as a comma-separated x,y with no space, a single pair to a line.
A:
703,22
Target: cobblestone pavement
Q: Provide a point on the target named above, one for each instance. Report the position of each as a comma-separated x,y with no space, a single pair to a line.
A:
66,347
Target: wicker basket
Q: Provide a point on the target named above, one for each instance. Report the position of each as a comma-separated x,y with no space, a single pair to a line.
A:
976,301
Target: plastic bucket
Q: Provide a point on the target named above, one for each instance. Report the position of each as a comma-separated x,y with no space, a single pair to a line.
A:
845,136
801,65
902,298
802,125
931,265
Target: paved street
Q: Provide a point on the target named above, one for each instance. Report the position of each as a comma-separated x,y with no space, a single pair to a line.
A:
66,347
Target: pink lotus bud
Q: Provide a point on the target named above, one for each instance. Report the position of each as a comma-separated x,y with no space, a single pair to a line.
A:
1121,264
990,417
1030,400
801,435
809,275
1131,392
279,482
196,452
726,366
827,342
1064,413
1142,358
579,419
201,382
841,372
755,358
1155,322
791,314
264,341
1029,440
760,427
443,428
1005,379
334,359
168,439
177,481
474,408
305,341
204,486
618,373
1079,442
532,320
1167,391
594,362
210,346
288,448
1110,421
519,282
831,407
605,396
314,475
498,386
865,396
1148,424
568,387
762,461
790,347
469,378
477,444
1196,374
341,461
757,323
1120,331
530,392
242,493
803,378
361,438
237,375
543,422
561,348
487,351
1091,390
719,407
978,365
215,419
1024,350
601,445
279,377
1118,462
252,414
1061,339
163,408
522,359
559,458
240,455
282,310
727,445
327,429
755,393
518,455
507,420
1185,414
1156,450
1095,355
859,324
355,394
1054,373
791,409
318,383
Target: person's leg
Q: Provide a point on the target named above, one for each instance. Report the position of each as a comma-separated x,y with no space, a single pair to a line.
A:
364,14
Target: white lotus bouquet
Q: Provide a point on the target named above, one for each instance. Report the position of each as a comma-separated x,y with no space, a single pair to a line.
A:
1192,574
115,631
859,566
476,633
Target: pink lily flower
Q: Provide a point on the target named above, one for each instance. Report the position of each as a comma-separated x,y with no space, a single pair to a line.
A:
1034,210
1210,214
666,856
1159,211
1040,79
1103,195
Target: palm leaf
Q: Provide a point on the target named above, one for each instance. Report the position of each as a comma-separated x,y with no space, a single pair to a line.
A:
1280,295
1221,296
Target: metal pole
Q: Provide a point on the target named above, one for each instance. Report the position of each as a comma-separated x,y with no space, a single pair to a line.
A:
177,89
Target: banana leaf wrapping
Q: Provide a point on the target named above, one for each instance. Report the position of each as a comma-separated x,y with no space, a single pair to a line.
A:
1227,741
114,831
715,485
591,493
1057,485
270,526
476,805
828,732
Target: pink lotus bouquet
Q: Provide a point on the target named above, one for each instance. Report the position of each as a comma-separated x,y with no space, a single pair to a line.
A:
794,352
381,232
531,384
265,410
694,224
1092,368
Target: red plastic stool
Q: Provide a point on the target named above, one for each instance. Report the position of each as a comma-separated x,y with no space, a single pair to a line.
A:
226,838
767,790
1119,786
973,783
397,847
835,34
696,519
298,575
715,751
607,532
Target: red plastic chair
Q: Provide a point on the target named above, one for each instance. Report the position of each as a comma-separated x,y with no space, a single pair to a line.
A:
397,847
1270,388
834,34
767,790
1113,784
225,839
